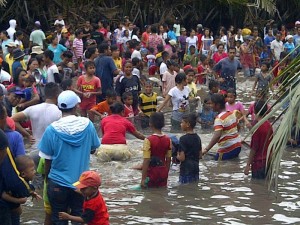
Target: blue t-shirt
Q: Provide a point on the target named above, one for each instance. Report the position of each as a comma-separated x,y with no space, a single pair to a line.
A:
228,70
207,116
105,68
57,52
289,47
28,92
11,182
15,66
171,35
70,153
16,143
296,40
268,40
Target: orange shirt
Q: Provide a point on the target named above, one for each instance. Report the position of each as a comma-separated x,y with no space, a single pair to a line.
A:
102,107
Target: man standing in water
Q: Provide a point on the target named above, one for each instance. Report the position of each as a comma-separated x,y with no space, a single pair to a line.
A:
66,147
105,70
228,68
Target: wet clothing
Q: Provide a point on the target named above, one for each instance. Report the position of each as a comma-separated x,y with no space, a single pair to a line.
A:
190,144
260,141
157,148
148,103
229,142
95,211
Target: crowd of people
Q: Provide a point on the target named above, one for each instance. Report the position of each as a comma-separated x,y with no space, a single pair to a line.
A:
110,76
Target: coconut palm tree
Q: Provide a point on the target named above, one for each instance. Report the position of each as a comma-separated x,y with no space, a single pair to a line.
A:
287,112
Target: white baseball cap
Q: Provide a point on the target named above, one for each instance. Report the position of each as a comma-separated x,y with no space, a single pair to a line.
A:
67,100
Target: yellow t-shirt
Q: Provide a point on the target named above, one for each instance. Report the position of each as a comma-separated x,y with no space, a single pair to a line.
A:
118,63
193,88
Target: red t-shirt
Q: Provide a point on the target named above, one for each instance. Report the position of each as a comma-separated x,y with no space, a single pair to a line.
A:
90,86
97,206
259,143
217,57
128,111
103,31
114,128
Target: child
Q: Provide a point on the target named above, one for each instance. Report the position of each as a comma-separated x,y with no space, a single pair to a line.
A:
136,64
231,104
19,38
238,44
115,54
26,167
190,150
129,83
193,98
263,79
78,48
94,206
191,57
102,109
127,100
88,87
168,78
157,154
265,55
151,62
29,82
136,52
214,88
66,67
207,116
66,85
147,103
179,96
208,70
260,141
226,131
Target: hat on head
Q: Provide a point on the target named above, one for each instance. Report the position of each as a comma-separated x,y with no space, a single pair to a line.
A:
297,23
64,30
37,23
37,50
88,179
59,23
172,42
68,100
18,53
199,25
182,29
11,44
288,37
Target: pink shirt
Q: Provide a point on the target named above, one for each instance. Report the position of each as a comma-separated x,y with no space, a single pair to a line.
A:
236,106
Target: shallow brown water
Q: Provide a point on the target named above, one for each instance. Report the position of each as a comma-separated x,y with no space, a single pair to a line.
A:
224,195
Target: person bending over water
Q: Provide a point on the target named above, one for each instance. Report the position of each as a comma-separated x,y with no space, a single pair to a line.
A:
226,131
114,127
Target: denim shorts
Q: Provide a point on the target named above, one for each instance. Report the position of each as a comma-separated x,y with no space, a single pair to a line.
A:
188,178
63,199
228,155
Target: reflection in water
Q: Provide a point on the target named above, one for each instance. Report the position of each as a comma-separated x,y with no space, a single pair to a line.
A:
223,196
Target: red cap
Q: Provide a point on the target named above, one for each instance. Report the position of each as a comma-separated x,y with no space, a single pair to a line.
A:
88,179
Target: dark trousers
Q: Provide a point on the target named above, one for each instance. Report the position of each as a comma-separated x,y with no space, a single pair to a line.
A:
5,216
63,199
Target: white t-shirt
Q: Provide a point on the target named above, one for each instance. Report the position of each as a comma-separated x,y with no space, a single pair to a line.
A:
134,37
136,54
206,43
41,116
223,40
50,73
136,72
277,46
177,27
179,98
163,68
192,41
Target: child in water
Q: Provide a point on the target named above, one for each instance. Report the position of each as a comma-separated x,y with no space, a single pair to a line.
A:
207,116
260,141
189,150
157,152
232,104
94,206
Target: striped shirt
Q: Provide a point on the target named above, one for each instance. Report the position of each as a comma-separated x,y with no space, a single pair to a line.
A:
78,45
230,139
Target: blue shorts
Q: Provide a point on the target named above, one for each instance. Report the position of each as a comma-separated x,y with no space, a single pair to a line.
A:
228,155
259,174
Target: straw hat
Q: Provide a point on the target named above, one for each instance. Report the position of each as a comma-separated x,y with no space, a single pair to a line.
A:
37,50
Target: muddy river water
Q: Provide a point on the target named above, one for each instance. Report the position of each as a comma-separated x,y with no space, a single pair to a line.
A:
224,195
